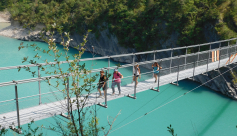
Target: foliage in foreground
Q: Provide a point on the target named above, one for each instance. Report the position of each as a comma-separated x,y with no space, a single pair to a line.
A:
171,130
75,84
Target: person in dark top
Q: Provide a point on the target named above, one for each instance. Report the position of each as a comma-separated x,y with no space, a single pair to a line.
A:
102,83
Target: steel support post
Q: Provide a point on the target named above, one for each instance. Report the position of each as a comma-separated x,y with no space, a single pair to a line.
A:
194,69
198,54
208,57
229,51
39,86
219,56
171,55
154,55
133,62
17,108
68,102
78,75
78,81
135,85
185,61
235,46
177,83
158,88
108,71
106,88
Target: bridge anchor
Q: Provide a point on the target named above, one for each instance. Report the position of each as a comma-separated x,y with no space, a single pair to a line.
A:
103,105
131,96
157,90
191,79
65,116
15,129
174,83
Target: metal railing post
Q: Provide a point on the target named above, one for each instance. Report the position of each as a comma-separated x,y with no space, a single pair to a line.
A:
198,54
158,88
229,51
108,71
106,88
194,69
219,55
17,108
39,86
171,55
186,52
208,57
235,45
134,97
154,55
177,83
154,59
133,62
68,102
78,75
135,86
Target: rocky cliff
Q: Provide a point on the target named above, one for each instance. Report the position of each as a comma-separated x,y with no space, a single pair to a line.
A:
223,84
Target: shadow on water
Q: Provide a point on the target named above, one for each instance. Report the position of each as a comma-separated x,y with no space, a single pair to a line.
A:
216,113
213,119
183,84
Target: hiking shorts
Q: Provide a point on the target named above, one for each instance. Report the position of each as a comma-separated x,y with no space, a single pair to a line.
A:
101,85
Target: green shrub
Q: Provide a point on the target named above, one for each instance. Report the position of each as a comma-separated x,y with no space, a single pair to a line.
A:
138,24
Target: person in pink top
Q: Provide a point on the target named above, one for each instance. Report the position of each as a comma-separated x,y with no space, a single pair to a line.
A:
116,80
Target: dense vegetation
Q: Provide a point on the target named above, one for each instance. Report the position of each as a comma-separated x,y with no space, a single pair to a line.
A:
141,24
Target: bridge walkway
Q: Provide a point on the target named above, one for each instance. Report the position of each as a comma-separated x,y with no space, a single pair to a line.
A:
51,109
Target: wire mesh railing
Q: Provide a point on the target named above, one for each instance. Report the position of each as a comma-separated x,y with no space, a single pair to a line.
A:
170,64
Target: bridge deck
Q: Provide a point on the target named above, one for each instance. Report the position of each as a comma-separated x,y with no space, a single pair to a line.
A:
48,110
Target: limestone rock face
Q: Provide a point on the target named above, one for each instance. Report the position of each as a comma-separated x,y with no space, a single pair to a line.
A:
5,17
221,81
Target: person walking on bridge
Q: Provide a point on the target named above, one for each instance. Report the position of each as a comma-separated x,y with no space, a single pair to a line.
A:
116,80
136,73
156,67
102,83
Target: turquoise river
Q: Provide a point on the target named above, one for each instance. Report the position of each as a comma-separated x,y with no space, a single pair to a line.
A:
203,112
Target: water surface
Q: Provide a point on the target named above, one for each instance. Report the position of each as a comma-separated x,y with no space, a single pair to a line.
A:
202,112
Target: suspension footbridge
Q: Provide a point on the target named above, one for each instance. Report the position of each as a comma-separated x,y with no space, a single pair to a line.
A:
178,65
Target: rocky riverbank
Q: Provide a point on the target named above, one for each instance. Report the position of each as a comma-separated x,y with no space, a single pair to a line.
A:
5,17
108,45
223,83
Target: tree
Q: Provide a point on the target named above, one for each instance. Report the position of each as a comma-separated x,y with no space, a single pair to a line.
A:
75,94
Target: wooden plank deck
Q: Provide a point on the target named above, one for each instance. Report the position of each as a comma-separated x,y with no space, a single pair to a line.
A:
48,110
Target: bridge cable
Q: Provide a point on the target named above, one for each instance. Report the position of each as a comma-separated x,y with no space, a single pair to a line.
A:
173,99
144,104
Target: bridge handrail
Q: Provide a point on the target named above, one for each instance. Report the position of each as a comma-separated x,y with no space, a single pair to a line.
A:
113,67
179,64
123,66
114,56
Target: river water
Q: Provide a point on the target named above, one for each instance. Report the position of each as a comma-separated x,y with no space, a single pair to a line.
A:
202,112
